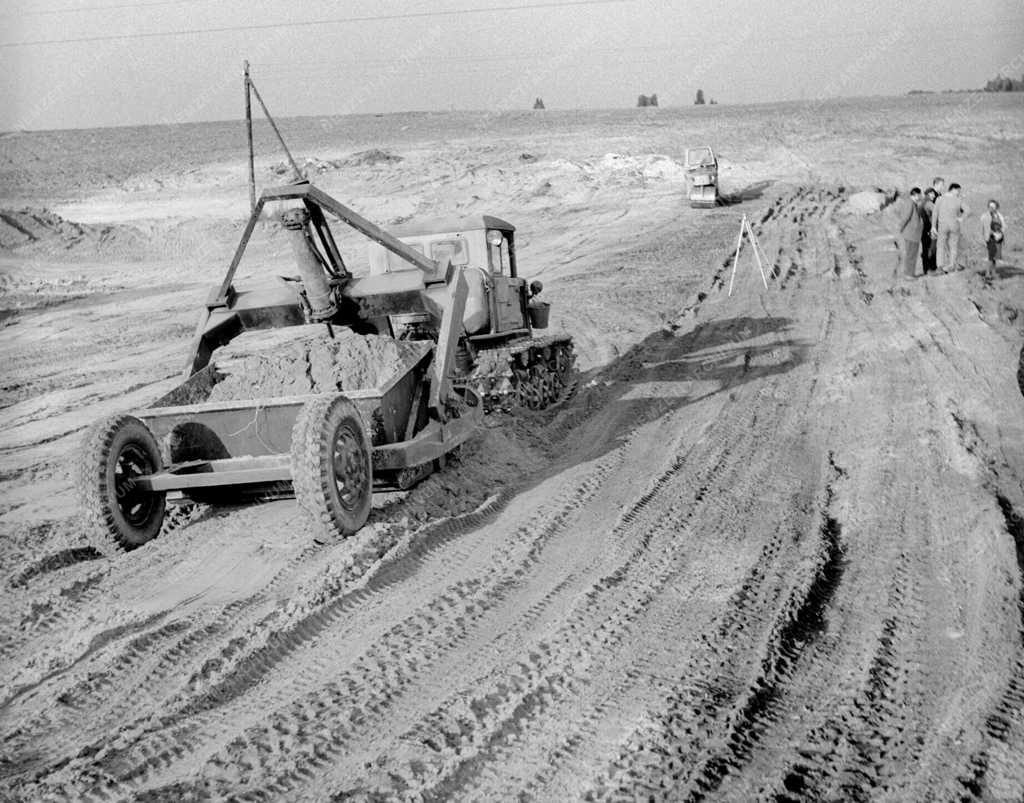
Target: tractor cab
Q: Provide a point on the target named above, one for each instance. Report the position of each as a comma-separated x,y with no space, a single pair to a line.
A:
498,301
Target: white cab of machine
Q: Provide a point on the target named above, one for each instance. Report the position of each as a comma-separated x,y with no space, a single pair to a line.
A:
483,245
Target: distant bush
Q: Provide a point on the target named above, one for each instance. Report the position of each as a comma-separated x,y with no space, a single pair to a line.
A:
647,100
538,103
700,98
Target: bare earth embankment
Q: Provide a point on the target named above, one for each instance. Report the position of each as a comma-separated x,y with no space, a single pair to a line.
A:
771,547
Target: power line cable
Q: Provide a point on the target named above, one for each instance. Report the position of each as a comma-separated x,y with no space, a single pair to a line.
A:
311,23
80,9
279,69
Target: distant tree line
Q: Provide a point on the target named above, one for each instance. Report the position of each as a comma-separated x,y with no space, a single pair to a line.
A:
1003,84
998,84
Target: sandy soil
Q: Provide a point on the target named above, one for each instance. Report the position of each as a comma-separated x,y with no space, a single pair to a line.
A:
771,547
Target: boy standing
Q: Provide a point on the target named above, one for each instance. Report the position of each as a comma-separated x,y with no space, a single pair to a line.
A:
993,230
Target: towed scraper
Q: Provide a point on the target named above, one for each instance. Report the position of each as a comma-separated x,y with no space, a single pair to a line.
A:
455,289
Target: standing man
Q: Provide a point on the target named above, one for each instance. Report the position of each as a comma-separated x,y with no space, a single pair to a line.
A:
927,243
993,229
938,186
949,211
910,233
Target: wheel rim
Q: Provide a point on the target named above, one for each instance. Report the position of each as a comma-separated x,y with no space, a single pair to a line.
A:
135,502
349,463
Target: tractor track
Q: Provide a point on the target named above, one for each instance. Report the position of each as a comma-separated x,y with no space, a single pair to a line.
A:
696,578
638,589
208,712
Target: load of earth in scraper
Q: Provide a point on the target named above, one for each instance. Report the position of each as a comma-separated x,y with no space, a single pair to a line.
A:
311,362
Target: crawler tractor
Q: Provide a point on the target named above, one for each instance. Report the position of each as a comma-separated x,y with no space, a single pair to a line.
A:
702,176
453,284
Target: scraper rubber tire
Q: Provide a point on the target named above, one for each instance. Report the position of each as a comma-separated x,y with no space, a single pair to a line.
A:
119,516
331,469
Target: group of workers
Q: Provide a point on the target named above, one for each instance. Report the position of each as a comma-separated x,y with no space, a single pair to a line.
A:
931,223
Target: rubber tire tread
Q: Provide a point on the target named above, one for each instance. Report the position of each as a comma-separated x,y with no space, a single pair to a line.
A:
311,466
106,531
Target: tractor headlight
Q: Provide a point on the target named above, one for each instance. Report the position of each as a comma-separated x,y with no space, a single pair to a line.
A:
495,238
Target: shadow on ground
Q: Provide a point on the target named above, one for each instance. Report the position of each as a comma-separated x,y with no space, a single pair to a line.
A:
1006,271
665,372
749,193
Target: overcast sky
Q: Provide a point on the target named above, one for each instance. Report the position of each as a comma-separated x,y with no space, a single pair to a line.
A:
317,57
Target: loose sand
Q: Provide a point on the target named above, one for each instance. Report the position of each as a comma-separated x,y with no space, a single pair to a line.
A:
311,362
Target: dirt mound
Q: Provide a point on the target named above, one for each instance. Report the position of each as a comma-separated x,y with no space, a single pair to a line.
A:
23,226
864,203
373,156
309,166
313,164
314,363
28,227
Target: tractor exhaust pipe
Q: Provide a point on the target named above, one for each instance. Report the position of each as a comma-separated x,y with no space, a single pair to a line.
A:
317,290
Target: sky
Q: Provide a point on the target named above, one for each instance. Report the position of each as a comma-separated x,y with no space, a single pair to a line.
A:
94,63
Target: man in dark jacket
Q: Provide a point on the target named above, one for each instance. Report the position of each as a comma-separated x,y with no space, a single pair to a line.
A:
927,242
910,232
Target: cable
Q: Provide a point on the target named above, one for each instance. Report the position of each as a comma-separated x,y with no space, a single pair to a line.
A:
278,70
99,8
311,23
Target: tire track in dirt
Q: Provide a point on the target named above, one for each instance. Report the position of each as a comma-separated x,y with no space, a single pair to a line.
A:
864,729
86,694
869,746
611,607
941,324
465,775
147,667
209,713
64,594
1003,725
731,710
769,549
847,755
171,664
531,613
718,766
